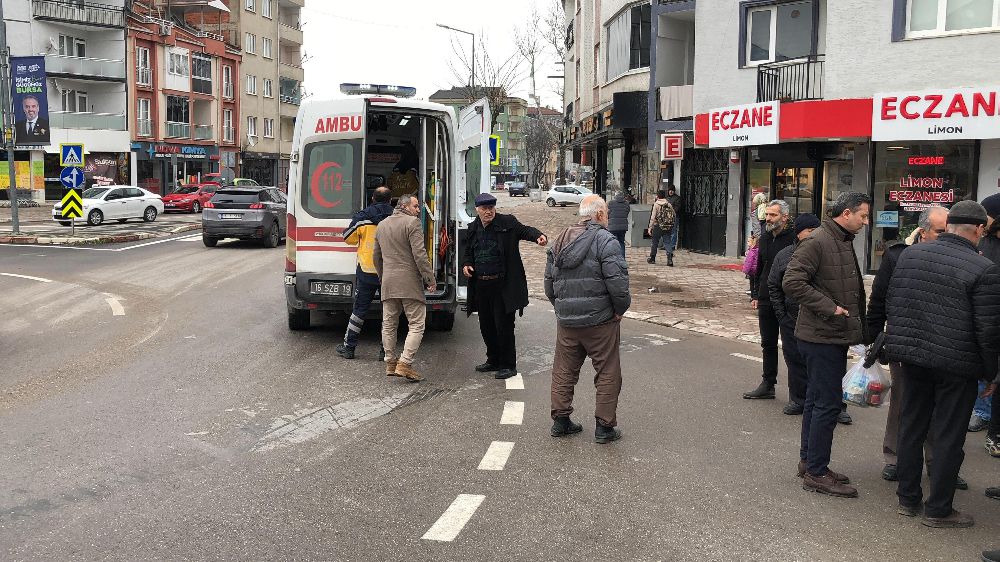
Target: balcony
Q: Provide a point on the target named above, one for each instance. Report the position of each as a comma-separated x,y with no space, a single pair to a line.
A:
228,134
289,31
791,80
675,102
293,98
178,130
85,68
97,15
86,120
144,127
202,132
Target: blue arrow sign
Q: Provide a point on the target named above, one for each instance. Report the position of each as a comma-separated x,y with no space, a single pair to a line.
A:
72,178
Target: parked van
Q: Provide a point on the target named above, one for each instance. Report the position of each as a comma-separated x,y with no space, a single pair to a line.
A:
345,148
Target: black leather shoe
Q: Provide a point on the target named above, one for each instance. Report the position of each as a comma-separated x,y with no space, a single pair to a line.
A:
991,556
763,392
487,367
792,409
670,260
563,426
505,373
961,484
993,492
604,434
844,418
345,351
650,260
889,473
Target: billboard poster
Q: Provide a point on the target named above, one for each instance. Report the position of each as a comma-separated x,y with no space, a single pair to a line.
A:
30,100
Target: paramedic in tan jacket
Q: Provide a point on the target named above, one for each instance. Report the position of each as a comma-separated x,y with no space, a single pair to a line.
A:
401,261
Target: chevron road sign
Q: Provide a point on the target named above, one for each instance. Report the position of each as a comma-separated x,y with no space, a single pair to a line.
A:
72,205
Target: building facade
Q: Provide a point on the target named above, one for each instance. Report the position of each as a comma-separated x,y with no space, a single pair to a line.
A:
83,45
183,105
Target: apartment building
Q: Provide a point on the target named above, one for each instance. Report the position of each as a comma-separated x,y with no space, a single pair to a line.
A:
183,104
83,45
608,55
805,99
269,33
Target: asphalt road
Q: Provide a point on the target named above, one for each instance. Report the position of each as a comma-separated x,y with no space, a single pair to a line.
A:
187,422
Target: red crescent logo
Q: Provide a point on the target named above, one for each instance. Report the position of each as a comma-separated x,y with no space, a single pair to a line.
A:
321,181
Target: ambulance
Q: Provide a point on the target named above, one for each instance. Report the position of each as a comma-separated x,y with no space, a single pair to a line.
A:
342,149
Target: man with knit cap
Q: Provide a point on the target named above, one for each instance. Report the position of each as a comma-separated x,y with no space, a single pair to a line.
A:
989,247
945,284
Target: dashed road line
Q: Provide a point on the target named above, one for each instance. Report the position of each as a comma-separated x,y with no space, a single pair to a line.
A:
747,357
116,307
496,456
513,413
450,524
516,382
28,277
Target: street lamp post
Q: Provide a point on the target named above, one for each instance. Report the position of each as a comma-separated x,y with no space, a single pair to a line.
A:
473,35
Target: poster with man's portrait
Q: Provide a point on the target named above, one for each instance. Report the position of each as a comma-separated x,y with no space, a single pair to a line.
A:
31,107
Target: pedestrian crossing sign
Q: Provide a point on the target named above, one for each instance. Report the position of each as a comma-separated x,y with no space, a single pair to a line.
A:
71,155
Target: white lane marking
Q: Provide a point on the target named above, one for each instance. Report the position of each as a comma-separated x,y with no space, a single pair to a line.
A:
28,277
747,357
116,307
663,338
83,248
450,524
513,413
496,456
516,382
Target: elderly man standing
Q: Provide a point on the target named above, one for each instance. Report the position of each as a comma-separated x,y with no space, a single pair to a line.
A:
586,280
946,284
825,279
498,286
404,270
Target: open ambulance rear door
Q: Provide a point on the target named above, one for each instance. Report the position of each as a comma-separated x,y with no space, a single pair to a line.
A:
472,169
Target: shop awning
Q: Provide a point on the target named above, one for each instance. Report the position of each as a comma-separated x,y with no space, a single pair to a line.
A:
811,120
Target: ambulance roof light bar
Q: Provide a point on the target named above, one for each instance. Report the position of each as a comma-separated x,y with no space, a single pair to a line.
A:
378,89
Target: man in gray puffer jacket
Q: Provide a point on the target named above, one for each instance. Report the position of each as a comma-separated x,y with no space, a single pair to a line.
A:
586,280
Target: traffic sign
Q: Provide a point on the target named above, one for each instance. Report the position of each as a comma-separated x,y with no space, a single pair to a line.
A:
71,178
72,205
494,149
71,154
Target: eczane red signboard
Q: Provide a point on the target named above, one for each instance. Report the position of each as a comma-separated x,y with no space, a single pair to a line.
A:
744,125
962,113
672,146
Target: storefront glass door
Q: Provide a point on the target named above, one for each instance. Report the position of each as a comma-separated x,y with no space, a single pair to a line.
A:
797,187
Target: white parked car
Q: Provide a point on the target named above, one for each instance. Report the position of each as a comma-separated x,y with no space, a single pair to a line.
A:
563,195
117,202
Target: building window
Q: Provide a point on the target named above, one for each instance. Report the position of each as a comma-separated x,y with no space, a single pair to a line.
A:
266,48
628,41
268,128
777,32
227,82
936,17
143,72
251,84
74,101
265,8
227,125
178,117
268,88
72,46
251,126
201,74
178,64
143,121
251,5
250,44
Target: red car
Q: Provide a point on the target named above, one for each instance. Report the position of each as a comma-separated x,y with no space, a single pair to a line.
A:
189,198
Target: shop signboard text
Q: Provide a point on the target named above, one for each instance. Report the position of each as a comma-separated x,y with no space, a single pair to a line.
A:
963,113
744,125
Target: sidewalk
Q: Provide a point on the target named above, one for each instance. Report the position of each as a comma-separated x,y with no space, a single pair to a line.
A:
702,293
37,227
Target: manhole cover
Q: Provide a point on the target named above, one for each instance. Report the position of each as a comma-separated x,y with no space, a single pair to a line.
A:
692,304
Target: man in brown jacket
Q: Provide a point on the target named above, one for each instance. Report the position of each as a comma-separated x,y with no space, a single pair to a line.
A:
404,271
825,279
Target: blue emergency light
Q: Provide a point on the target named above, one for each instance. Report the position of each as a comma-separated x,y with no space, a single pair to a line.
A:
378,89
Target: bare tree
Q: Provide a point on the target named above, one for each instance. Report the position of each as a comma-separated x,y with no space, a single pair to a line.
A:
553,29
541,141
495,78
530,46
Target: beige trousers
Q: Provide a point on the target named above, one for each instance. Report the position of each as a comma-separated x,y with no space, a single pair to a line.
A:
416,315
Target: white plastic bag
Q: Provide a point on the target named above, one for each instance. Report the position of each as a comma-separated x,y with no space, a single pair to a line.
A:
865,386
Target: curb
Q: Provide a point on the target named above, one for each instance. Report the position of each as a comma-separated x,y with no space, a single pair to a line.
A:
115,239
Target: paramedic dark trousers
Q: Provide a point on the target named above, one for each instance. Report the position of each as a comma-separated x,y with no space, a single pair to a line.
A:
826,365
496,324
366,285
938,404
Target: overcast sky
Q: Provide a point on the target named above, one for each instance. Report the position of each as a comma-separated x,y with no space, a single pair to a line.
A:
397,42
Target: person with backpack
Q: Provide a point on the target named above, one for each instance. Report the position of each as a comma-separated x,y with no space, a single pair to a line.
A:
661,223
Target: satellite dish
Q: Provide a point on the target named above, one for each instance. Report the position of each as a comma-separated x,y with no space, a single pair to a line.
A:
251,140
53,46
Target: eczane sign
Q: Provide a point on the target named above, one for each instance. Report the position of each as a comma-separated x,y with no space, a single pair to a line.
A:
964,113
744,125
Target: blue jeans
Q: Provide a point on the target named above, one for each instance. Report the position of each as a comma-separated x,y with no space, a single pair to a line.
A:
826,365
669,242
620,235
984,406
365,286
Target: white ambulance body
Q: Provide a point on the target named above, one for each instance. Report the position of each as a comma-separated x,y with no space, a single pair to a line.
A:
342,150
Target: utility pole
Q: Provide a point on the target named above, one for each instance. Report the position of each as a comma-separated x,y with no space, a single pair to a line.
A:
8,122
473,35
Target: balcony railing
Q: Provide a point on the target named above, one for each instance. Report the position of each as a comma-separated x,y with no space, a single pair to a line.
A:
228,134
85,67
203,132
227,90
100,15
87,120
178,130
143,76
675,102
293,98
145,127
791,80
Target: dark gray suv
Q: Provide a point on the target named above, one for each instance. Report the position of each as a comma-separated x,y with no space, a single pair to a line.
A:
247,213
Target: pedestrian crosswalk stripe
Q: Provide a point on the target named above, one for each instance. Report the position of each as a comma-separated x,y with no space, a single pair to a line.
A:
747,357
451,523
515,383
496,456
513,413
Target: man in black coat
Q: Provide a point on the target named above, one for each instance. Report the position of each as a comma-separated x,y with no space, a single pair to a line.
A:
944,327
778,236
497,283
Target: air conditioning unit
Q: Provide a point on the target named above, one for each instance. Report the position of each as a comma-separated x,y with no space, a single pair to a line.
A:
164,29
